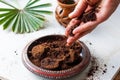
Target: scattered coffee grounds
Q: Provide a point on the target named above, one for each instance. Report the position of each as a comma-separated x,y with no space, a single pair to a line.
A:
90,43
105,65
96,68
15,52
113,66
67,1
55,55
104,71
93,68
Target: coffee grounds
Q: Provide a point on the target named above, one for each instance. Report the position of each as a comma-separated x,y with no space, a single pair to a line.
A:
67,1
88,16
55,55
96,68
85,17
71,30
113,66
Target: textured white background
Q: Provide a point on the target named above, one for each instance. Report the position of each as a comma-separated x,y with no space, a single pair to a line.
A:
105,41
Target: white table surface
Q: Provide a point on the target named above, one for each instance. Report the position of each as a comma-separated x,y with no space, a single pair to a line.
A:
105,46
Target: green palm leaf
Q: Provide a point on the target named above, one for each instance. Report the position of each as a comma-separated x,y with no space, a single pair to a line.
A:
5,9
7,23
29,19
31,2
40,6
15,23
8,4
41,11
6,17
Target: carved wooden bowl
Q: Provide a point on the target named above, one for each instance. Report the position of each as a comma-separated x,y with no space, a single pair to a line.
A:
55,74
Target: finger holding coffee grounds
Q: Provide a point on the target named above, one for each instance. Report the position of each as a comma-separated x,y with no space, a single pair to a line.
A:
86,16
71,39
71,26
77,28
90,15
89,18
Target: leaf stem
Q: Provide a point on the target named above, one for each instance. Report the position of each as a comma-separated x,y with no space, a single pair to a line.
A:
8,4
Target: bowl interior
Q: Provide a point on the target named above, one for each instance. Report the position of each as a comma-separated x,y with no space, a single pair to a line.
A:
52,39
54,74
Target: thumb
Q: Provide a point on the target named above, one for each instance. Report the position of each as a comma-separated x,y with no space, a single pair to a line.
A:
79,9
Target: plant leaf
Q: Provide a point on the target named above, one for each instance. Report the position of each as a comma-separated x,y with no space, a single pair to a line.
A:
32,27
6,9
34,24
21,25
37,21
42,11
38,15
25,23
7,13
8,22
28,19
5,18
40,6
15,23
8,4
30,3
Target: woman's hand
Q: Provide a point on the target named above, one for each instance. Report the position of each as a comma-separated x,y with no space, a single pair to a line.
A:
106,8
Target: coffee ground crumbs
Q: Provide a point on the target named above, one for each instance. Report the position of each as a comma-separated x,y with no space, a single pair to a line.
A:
71,30
113,66
15,52
88,16
55,55
95,69
90,43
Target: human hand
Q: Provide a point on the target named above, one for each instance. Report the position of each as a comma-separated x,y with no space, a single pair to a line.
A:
106,8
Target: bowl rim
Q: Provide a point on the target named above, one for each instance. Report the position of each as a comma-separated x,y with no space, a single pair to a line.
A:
30,66
67,5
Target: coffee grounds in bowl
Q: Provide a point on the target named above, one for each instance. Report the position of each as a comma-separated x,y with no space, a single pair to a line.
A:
67,1
55,55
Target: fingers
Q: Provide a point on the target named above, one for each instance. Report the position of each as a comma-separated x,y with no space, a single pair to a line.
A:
71,40
72,23
81,30
88,8
81,6
85,27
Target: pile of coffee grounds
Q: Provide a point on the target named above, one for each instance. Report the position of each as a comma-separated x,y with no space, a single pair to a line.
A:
67,1
55,55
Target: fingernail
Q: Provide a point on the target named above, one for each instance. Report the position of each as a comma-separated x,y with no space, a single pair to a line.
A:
74,31
70,15
67,44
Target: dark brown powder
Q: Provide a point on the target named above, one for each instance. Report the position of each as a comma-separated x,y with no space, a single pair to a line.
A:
67,1
88,16
113,66
96,67
55,55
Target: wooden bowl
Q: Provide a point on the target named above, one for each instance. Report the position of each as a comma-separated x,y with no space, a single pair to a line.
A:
55,74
